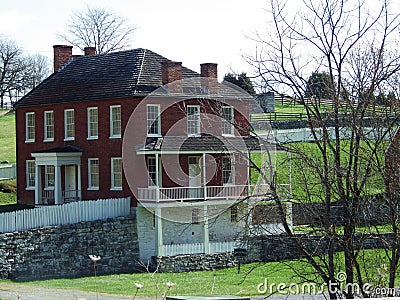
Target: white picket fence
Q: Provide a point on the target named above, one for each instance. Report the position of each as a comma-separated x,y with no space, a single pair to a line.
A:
193,248
74,212
8,171
305,134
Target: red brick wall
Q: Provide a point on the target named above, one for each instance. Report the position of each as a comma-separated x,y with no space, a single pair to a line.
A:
102,148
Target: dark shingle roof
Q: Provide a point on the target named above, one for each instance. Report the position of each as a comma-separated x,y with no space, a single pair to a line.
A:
106,76
208,143
66,149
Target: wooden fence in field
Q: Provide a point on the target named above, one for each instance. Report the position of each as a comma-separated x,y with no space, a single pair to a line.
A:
74,212
8,171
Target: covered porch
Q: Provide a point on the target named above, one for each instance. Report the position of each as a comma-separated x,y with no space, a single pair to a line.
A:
58,175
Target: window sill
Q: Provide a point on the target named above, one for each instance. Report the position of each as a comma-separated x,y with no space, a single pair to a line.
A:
92,138
29,141
116,189
31,188
48,140
154,135
69,139
93,189
49,188
115,137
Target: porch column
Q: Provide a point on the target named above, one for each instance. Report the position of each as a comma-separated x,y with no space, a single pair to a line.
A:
57,185
79,183
206,237
38,185
158,231
157,212
204,177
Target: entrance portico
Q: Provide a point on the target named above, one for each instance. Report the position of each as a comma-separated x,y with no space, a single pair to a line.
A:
70,158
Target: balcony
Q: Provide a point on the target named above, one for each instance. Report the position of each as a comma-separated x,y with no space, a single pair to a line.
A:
179,195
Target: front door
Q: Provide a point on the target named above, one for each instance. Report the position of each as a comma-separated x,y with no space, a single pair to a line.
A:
70,193
195,190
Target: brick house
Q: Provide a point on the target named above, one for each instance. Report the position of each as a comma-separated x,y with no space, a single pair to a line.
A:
134,124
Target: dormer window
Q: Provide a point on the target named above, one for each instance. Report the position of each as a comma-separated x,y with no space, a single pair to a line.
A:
193,120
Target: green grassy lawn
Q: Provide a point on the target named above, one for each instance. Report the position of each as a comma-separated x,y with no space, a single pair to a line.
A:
301,175
7,153
202,283
221,282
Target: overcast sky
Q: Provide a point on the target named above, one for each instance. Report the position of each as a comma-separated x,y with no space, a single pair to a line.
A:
193,32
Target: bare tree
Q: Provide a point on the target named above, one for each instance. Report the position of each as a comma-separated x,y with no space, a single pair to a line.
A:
355,48
99,28
11,67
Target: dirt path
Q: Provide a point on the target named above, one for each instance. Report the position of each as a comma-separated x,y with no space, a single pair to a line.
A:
18,291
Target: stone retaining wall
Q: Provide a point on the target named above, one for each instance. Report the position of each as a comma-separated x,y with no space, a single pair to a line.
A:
194,262
63,251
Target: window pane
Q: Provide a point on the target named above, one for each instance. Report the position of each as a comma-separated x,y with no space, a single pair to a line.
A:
116,173
92,122
227,120
69,124
49,125
153,119
227,170
30,126
30,173
49,176
93,173
193,120
152,172
115,122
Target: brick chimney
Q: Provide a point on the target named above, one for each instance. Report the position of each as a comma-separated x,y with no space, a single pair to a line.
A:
90,51
209,77
62,54
172,75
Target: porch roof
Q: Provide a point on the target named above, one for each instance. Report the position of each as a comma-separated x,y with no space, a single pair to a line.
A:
207,144
65,149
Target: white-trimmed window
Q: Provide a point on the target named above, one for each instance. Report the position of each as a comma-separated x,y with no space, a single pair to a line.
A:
227,170
69,124
195,216
30,127
153,120
30,174
93,173
93,122
115,121
49,125
116,173
152,171
193,120
49,177
227,120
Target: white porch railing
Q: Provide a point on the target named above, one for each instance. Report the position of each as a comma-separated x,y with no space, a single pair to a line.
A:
215,247
225,192
81,211
67,196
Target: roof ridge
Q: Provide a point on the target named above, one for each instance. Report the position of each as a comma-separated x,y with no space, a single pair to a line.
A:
140,70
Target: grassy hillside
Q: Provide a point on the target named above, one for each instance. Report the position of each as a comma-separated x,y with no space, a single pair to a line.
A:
7,137
7,153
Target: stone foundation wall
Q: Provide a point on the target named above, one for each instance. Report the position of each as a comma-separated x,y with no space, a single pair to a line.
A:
194,262
63,251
